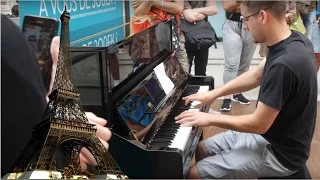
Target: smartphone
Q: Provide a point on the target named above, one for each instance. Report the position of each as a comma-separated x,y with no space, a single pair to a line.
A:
39,32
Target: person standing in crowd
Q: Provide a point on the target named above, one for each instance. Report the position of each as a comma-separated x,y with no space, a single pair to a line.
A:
316,35
197,11
309,11
15,11
275,140
148,13
23,97
238,51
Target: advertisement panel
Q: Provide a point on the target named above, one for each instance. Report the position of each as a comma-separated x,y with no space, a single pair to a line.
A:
88,18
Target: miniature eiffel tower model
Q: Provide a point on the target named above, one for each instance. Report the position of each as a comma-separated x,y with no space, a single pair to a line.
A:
64,125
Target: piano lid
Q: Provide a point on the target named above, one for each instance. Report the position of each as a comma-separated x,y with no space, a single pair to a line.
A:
138,50
100,72
150,100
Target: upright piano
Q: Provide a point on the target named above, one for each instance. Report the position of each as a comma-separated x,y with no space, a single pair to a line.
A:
139,92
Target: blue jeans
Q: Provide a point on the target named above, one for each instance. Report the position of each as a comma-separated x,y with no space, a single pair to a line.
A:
310,22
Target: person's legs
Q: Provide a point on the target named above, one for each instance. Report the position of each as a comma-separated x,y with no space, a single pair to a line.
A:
201,61
316,43
308,22
212,146
181,54
232,44
249,157
245,61
216,144
247,52
114,64
315,38
191,54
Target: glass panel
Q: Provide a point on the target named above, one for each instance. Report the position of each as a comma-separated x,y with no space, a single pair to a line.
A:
149,100
128,55
87,77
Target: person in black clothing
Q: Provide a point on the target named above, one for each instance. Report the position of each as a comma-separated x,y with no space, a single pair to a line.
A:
275,140
197,11
23,97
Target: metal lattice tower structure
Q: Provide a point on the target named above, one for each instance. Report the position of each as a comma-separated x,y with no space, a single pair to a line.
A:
65,125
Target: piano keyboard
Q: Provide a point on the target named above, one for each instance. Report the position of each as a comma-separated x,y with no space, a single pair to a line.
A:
170,134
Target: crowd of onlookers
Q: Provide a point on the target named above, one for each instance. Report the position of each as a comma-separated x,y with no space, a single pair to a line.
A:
239,46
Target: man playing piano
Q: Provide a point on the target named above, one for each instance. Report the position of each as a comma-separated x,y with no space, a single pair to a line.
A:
275,140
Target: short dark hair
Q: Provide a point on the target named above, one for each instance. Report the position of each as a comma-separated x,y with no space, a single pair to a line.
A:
277,8
15,10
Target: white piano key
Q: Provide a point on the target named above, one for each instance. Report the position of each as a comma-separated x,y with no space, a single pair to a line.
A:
183,133
201,89
182,136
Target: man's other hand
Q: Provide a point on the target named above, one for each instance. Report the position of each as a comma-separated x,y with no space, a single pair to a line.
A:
54,50
205,99
103,133
193,118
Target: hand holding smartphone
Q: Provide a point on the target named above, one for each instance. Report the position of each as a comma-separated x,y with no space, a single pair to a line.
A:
39,32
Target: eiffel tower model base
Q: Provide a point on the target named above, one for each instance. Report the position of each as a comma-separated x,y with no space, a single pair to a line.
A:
40,174
39,161
37,174
56,175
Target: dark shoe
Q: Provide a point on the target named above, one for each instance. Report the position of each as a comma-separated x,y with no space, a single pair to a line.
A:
226,105
240,99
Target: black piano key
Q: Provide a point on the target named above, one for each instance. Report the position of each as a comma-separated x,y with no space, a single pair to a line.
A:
168,129
184,108
162,139
182,102
159,144
176,112
170,122
192,88
173,131
162,135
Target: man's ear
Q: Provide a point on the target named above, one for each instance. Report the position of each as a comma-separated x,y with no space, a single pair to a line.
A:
263,16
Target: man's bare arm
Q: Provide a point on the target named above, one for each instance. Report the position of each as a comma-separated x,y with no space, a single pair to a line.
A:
210,9
230,5
259,122
141,8
175,7
191,16
242,83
